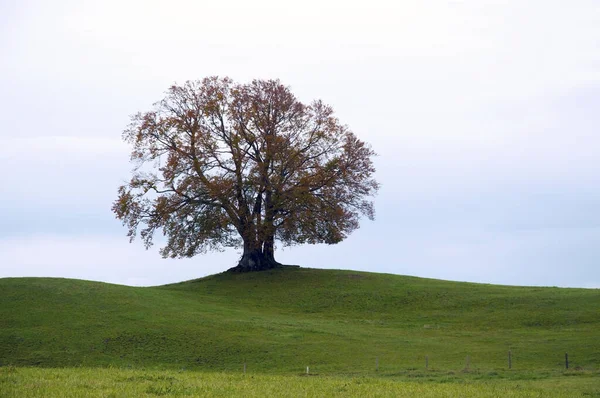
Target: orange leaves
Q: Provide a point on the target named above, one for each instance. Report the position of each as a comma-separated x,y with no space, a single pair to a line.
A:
245,161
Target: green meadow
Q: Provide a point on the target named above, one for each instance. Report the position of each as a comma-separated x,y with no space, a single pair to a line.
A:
108,382
359,333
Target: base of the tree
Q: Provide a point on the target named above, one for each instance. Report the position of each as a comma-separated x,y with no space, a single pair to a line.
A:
252,266
256,260
238,270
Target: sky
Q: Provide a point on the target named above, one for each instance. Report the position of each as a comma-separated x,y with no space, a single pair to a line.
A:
485,116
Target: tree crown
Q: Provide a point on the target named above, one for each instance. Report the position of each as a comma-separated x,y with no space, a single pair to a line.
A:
221,164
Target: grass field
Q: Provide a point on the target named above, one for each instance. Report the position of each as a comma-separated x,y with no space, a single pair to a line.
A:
62,383
345,325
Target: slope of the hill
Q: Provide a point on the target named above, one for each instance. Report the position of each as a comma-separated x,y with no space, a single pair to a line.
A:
286,319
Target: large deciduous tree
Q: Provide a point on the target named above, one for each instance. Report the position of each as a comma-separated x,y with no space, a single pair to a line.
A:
220,164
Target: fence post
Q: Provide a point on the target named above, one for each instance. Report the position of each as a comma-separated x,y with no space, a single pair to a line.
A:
509,359
567,361
426,361
377,364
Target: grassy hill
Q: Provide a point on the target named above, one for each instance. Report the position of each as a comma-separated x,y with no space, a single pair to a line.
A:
284,320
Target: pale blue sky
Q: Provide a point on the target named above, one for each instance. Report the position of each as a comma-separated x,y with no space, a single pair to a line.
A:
485,115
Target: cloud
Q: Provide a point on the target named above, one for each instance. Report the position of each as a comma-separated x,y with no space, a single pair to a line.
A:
60,170
102,258
60,184
484,115
564,257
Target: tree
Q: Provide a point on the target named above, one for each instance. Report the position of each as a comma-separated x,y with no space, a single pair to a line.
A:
220,164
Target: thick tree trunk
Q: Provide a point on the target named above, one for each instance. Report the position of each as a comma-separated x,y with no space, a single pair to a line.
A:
269,248
256,259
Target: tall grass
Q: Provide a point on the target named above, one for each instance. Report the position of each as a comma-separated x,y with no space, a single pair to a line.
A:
111,382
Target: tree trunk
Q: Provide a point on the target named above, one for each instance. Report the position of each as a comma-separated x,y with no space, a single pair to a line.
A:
269,248
256,259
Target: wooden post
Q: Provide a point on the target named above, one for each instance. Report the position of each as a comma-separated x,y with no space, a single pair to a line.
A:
509,360
377,364
244,367
567,361
307,370
426,361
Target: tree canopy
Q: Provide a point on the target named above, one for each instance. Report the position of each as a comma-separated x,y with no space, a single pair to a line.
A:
220,164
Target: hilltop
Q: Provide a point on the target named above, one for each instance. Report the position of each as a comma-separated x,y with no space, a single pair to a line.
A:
285,319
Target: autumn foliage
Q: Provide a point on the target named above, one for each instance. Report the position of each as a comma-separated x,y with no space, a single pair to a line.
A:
220,164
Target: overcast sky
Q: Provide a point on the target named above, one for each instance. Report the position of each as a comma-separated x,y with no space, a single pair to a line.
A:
485,115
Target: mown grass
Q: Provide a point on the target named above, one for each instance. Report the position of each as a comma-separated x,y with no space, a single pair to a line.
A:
110,382
280,321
